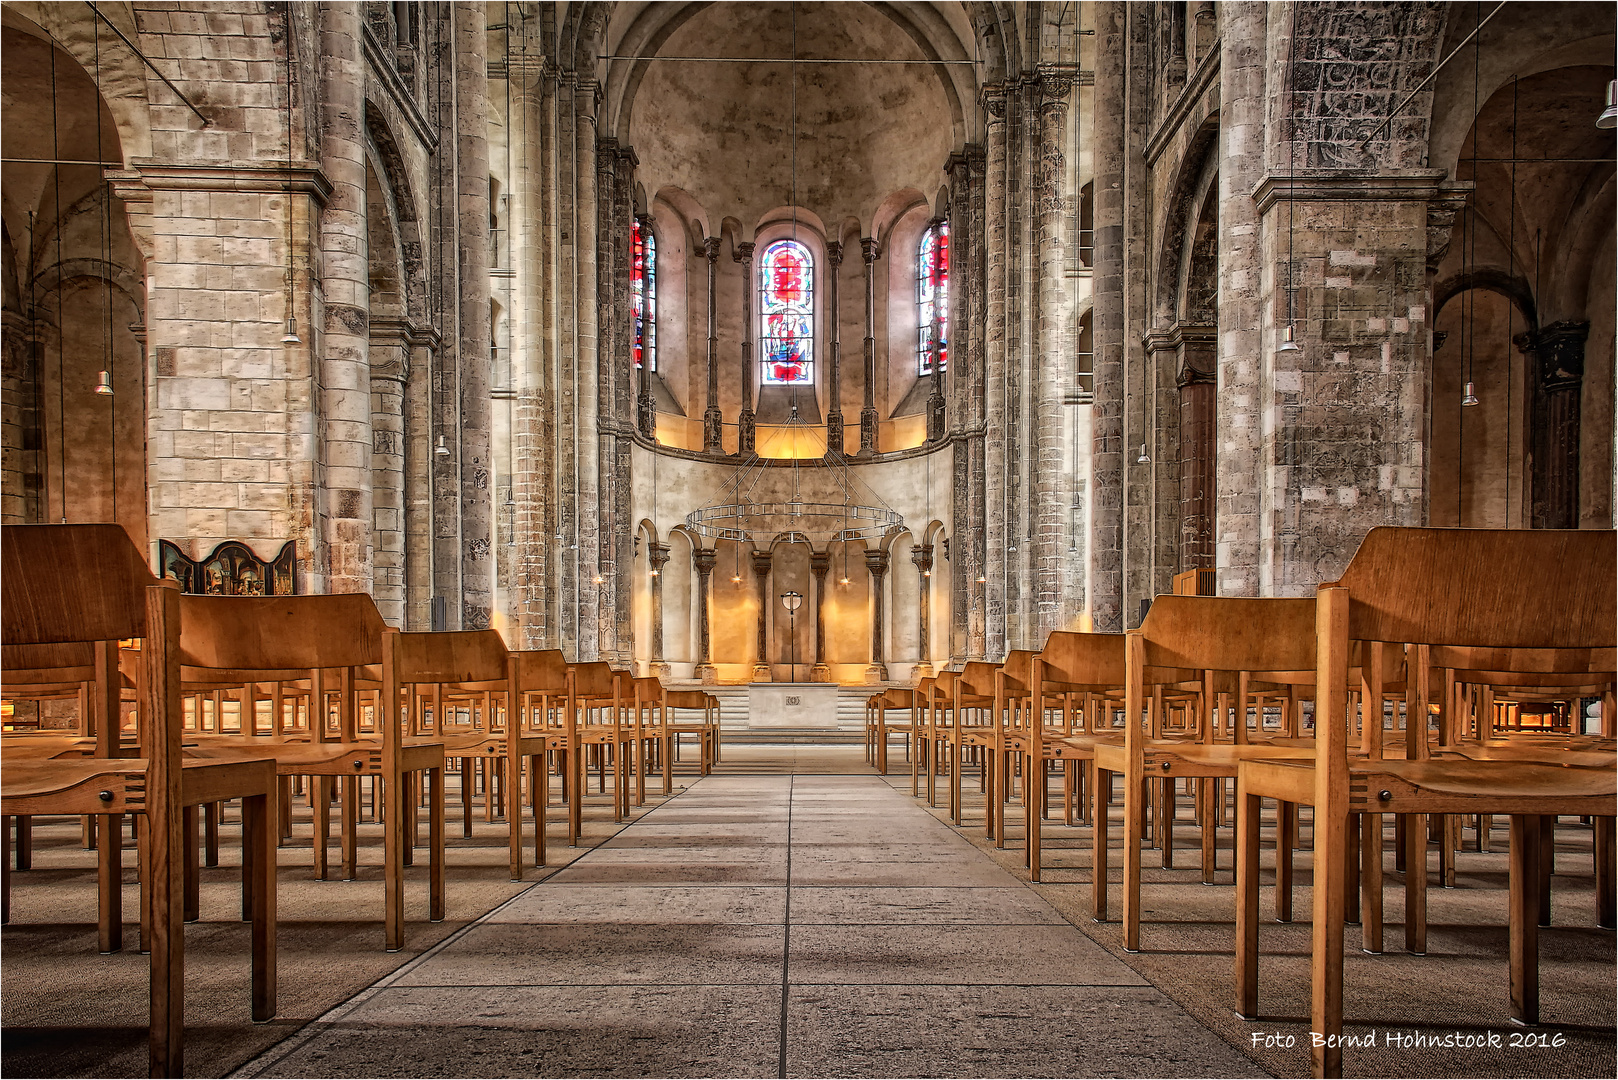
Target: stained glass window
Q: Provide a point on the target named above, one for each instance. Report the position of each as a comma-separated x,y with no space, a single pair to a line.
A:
932,298
786,304
643,293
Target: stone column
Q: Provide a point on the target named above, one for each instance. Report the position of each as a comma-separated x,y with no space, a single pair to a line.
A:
472,221
1054,300
586,360
390,356
1240,400
819,563
606,373
761,578
871,250
703,560
1197,447
834,395
922,556
344,401
935,351
745,426
975,480
994,410
533,355
713,421
1556,353
876,563
658,556
1106,578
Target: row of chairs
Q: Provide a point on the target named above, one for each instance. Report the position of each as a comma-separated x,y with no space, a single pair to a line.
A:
1390,692
349,701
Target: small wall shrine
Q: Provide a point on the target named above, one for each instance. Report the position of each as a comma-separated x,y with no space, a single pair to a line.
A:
231,569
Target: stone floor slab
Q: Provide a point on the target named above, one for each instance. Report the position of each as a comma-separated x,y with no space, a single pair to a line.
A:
667,905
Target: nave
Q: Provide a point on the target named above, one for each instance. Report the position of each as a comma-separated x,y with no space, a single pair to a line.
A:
794,891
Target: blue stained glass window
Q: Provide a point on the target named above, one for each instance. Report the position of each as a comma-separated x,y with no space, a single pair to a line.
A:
643,294
786,304
932,298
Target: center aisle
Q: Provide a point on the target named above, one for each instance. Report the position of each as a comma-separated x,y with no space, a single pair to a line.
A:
766,924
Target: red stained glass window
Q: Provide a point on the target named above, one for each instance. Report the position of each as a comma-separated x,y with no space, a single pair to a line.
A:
643,294
786,287
932,299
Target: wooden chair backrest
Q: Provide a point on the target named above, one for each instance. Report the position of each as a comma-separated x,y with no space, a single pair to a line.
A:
62,583
451,656
258,633
542,671
647,688
977,678
594,680
1230,633
1502,588
1019,667
1090,659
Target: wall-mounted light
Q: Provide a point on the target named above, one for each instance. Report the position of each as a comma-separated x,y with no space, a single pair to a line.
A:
1145,458
1471,397
442,450
104,383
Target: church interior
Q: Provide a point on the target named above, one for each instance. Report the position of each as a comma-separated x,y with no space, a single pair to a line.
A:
825,539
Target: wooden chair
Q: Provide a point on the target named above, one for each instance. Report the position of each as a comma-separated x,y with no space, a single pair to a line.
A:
265,638
1502,606
973,717
879,730
706,730
1085,671
1224,645
596,689
89,584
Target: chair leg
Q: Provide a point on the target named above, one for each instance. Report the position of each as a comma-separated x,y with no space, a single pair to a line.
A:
1525,852
258,851
435,840
1547,859
1371,882
1098,847
1247,854
109,880
1286,838
193,873
1606,916
1415,885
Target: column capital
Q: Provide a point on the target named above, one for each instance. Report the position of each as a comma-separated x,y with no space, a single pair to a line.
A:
876,562
761,561
744,251
710,248
703,559
1559,350
834,253
922,556
819,562
993,99
871,248
1055,84
658,555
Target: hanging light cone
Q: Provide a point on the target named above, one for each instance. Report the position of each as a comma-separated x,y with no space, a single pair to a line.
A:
1288,344
104,383
291,336
442,450
1471,397
1609,116
982,580
1145,458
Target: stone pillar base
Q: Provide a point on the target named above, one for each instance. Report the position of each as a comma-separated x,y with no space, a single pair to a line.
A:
820,673
660,669
876,673
761,673
923,670
707,675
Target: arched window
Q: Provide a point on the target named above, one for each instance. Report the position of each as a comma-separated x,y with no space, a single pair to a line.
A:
932,297
786,305
643,293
